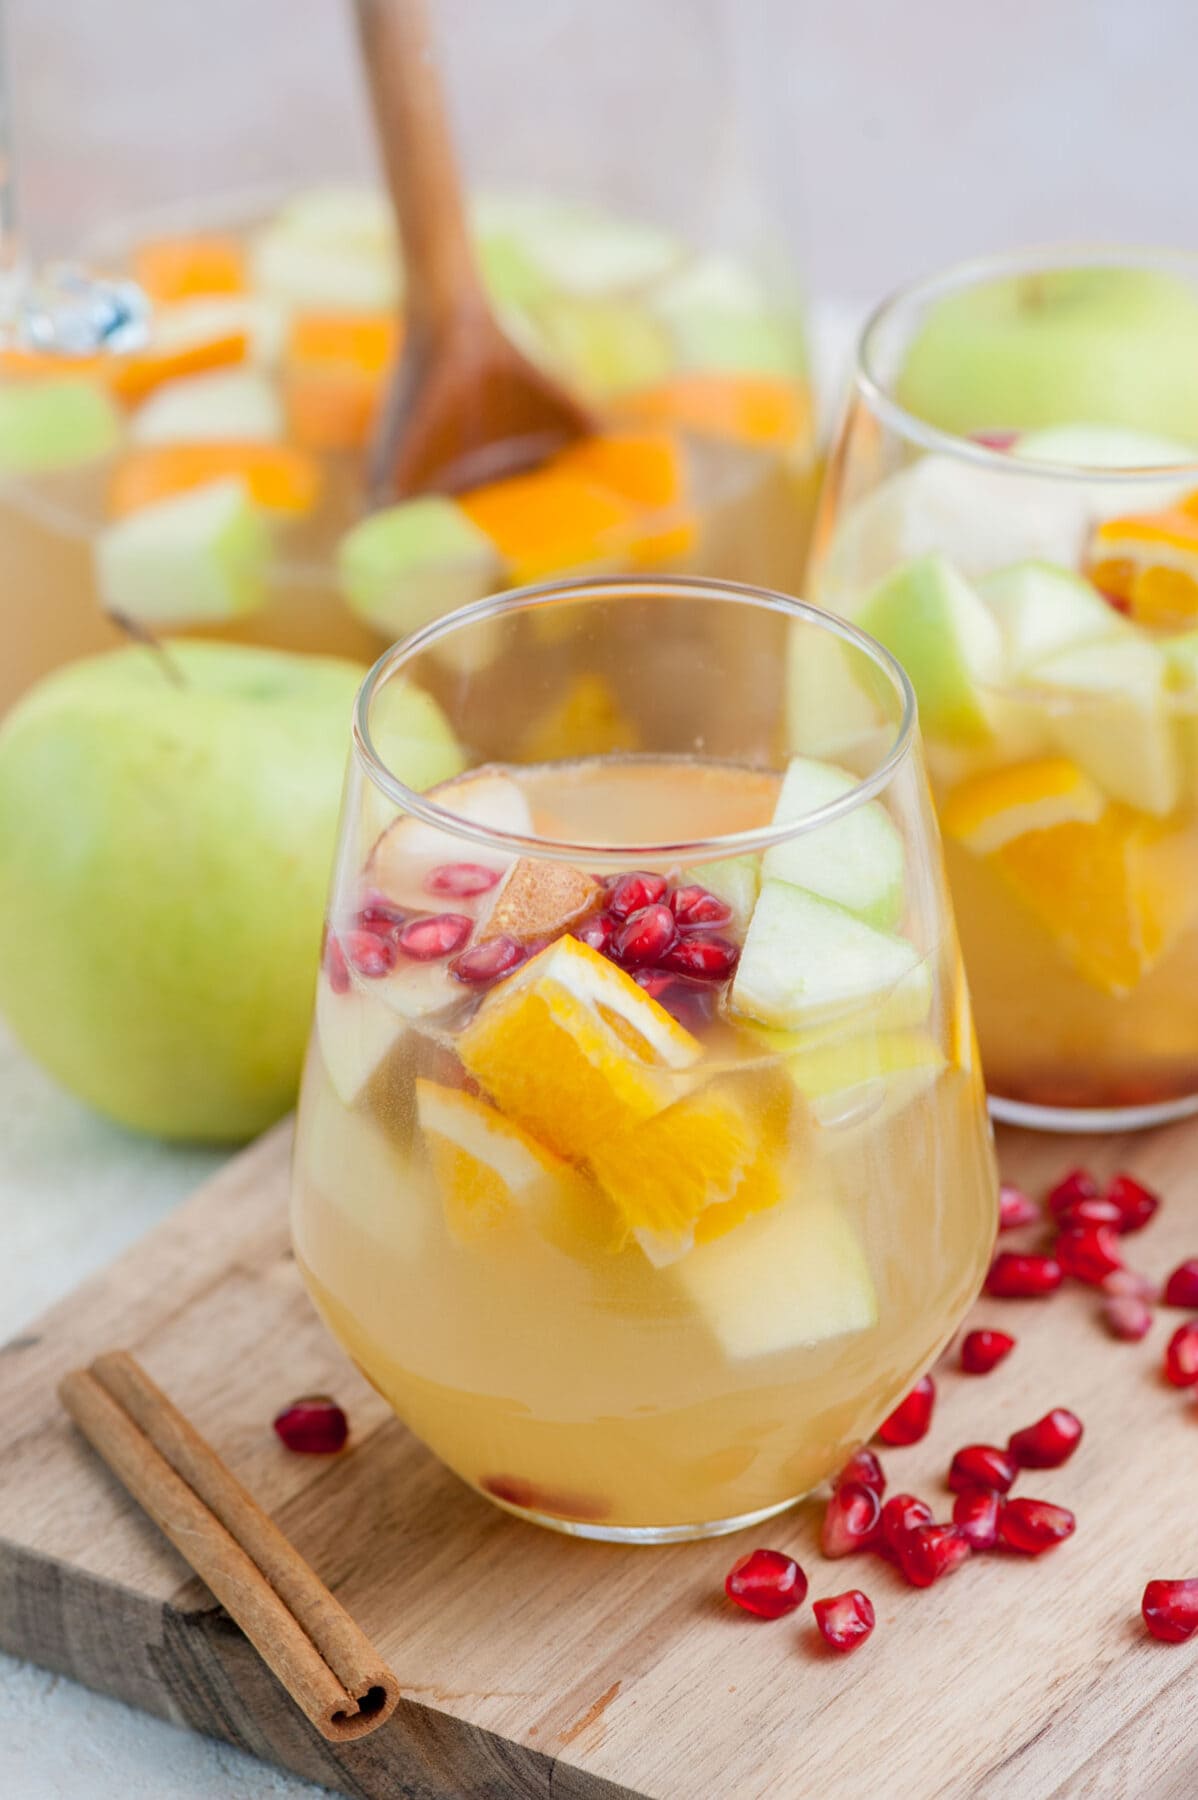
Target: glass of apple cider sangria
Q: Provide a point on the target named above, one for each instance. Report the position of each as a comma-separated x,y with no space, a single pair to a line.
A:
642,1157
1013,511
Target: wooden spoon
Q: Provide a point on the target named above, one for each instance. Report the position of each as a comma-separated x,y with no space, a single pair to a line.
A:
465,406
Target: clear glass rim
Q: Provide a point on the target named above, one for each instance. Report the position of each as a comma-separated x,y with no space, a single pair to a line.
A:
612,588
1004,265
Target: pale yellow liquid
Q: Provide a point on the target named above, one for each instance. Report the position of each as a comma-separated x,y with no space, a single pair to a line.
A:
580,1383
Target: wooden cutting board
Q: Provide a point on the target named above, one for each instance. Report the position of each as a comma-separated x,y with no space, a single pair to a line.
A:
537,1666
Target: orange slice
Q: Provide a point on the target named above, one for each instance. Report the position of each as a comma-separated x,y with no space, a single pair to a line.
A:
551,520
587,721
133,375
485,1167
990,810
762,410
649,469
572,1050
279,478
334,369
1150,562
186,268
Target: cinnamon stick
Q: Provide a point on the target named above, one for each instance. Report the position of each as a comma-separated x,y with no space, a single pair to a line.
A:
328,1666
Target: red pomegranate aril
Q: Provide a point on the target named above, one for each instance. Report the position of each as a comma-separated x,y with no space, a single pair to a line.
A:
982,1466
645,937
1088,1253
632,893
901,1515
1015,1277
1131,1282
487,962
850,1520
1048,1443
335,966
1079,1184
689,1002
1033,1526
597,930
1170,1609
461,880
1181,1289
975,1514
1015,1208
428,940
911,1417
1126,1316
1081,1213
705,958
314,1425
694,905
1137,1204
845,1620
864,1468
372,956
766,1583
931,1551
982,1351
378,914
1181,1356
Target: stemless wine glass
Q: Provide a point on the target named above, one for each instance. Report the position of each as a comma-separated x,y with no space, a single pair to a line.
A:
1012,508
642,1158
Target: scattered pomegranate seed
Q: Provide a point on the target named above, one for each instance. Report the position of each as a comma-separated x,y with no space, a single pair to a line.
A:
645,936
1033,1526
1170,1609
1130,1282
1014,1277
1048,1443
690,1002
427,940
371,955
845,1620
1126,1316
487,962
1079,1184
313,1425
1181,1289
863,1468
766,1583
982,1351
632,893
901,1515
911,1417
335,966
708,958
931,1551
850,1520
1015,1208
982,1466
975,1514
694,905
461,880
1181,1356
378,914
1137,1204
1081,1213
1088,1253
597,931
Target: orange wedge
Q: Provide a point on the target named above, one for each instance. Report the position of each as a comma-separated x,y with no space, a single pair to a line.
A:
485,1167
1150,563
551,520
334,369
133,375
991,809
279,478
587,721
761,410
187,268
647,468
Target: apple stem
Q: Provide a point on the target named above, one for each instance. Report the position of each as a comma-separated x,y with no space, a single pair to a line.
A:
141,634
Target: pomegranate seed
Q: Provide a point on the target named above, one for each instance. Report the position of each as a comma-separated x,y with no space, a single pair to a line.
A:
597,931
1181,1289
901,1515
1130,1282
487,962
982,1466
766,1583
1033,1526
975,1514
371,955
690,1002
1137,1203
335,966
1089,1212
995,440
1014,1277
1079,1184
1015,1208
314,1425
850,1520
708,958
646,936
1088,1253
632,893
863,1468
982,1351
1048,1443
1170,1610
695,906
846,1620
1126,1316
911,1417
1181,1356
378,914
931,1551
427,940
461,880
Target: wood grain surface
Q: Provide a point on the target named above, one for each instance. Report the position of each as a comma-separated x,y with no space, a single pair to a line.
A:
536,1666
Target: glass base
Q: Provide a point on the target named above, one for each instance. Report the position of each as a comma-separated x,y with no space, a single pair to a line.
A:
641,1534
1101,1118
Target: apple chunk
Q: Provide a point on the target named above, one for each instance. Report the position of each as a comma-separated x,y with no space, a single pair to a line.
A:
409,850
196,558
856,860
932,620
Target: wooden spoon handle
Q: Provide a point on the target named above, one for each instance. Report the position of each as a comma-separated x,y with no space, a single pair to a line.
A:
418,158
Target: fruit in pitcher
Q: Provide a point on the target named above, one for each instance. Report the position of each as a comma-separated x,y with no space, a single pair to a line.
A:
932,620
59,424
213,408
199,557
1116,724
1149,561
994,808
404,566
856,860
1042,609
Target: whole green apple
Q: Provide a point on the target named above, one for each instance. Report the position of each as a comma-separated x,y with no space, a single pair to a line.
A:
1097,345
165,849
